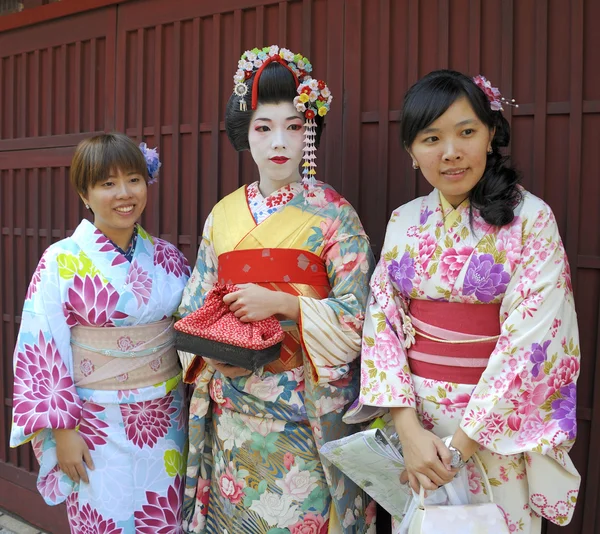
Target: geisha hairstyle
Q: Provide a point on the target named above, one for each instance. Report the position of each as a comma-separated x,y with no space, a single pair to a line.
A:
276,84
497,192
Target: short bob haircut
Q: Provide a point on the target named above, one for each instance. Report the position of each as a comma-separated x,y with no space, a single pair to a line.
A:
497,193
95,158
276,84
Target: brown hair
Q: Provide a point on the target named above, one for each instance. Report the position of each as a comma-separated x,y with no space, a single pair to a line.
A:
95,158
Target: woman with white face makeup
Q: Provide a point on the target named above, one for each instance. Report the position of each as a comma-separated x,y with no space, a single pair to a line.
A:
98,388
296,250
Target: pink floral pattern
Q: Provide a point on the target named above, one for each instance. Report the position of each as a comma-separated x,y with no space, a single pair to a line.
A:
162,513
43,394
91,427
92,302
140,283
36,278
171,259
89,521
525,401
146,422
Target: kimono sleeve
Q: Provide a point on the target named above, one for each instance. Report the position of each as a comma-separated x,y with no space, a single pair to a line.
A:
331,328
44,395
386,380
204,277
525,401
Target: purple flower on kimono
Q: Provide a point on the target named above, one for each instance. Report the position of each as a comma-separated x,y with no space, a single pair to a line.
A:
91,302
485,278
425,215
170,258
36,278
402,273
565,409
538,356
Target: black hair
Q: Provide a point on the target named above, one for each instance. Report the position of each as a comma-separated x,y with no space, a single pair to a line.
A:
497,193
276,84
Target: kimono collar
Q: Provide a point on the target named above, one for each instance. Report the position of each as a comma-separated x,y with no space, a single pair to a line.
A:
449,213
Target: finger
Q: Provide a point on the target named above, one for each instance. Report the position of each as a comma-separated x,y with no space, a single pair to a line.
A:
87,458
231,297
80,468
239,313
404,477
434,477
72,474
247,318
444,454
426,482
414,482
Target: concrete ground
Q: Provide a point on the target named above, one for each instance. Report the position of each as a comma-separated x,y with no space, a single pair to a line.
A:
12,525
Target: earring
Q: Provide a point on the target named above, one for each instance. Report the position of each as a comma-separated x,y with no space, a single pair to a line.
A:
87,206
415,166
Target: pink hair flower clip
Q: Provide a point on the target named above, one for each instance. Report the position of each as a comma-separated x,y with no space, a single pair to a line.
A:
152,162
493,93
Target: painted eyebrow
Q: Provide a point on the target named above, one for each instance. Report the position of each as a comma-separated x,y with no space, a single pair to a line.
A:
293,117
461,123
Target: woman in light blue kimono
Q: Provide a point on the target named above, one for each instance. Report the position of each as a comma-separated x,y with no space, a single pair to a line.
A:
97,386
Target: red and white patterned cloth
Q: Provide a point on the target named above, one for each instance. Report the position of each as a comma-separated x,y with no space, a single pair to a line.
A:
262,207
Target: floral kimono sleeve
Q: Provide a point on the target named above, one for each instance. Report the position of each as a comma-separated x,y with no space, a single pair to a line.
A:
44,395
385,375
331,328
525,402
204,277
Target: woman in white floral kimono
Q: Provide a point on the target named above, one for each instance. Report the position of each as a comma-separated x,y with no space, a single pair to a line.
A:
98,388
471,330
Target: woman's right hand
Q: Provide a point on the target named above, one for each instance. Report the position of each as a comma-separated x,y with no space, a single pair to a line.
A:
72,453
426,458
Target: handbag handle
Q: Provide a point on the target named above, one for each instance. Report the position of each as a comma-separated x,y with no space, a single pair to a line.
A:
486,483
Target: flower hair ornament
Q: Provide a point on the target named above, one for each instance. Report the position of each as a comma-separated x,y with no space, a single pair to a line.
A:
314,97
152,162
493,94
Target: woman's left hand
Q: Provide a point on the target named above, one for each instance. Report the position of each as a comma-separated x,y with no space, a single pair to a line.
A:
254,303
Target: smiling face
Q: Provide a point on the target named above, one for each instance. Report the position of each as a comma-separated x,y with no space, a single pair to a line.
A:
276,139
452,151
117,202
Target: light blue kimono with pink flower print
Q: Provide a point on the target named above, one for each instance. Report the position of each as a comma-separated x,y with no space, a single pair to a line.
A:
136,437
522,412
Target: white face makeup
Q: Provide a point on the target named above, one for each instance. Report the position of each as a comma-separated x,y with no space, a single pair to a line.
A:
276,139
452,151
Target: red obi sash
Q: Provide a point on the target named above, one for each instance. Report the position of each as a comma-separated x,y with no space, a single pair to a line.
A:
453,341
281,269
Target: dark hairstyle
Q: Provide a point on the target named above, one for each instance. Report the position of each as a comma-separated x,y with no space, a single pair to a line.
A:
95,158
497,193
276,84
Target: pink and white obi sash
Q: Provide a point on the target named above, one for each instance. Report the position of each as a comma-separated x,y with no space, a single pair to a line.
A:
452,341
128,357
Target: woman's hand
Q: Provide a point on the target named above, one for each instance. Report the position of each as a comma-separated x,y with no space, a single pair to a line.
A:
426,458
72,453
227,370
254,303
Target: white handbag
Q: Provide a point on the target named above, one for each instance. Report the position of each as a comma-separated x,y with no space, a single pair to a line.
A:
484,518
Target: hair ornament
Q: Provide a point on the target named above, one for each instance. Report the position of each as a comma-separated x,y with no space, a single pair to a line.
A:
152,162
493,94
314,97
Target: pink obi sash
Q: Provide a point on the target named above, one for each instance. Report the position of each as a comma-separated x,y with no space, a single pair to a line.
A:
453,341
127,357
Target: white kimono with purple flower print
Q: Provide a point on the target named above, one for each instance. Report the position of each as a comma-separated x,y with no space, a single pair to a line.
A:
136,436
522,410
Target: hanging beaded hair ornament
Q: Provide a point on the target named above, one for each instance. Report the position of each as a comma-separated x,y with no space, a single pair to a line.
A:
152,162
314,97
493,94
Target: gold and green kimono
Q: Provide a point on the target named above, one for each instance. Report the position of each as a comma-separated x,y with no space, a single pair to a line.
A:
254,465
